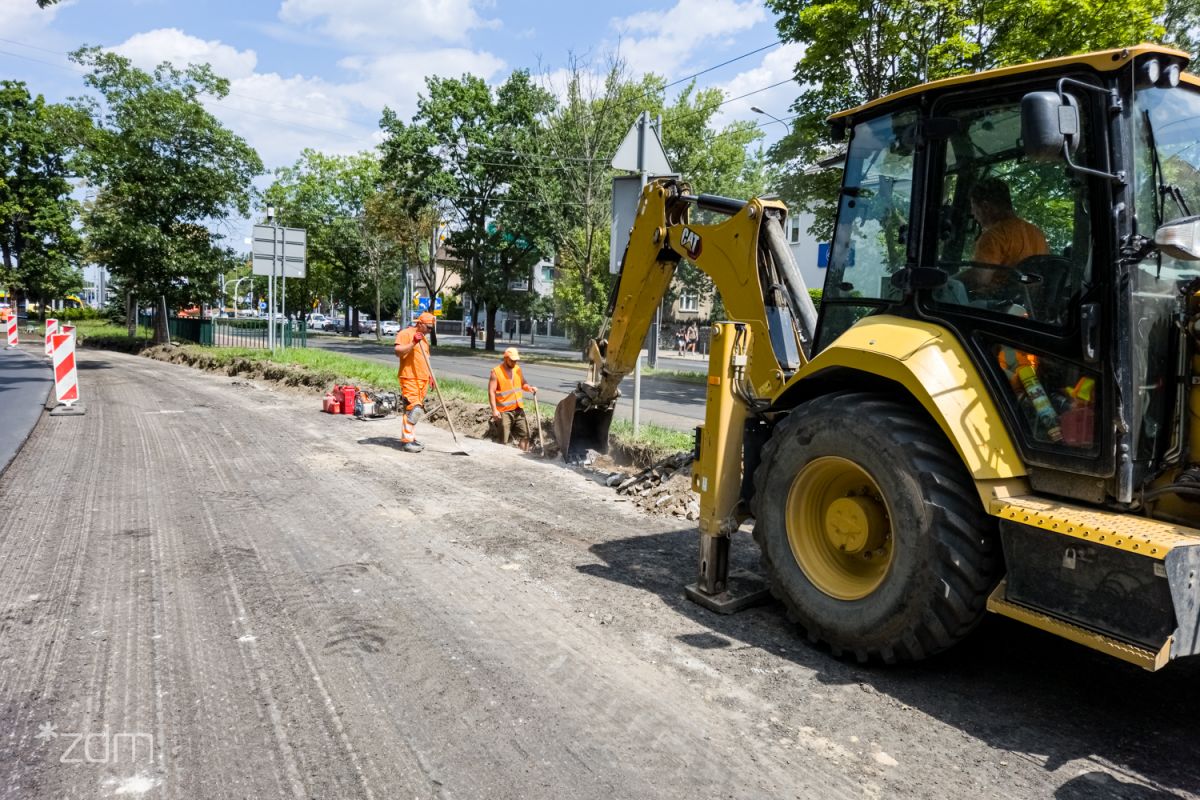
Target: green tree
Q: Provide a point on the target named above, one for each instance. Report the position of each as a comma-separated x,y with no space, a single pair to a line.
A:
328,196
164,169
860,50
463,152
39,245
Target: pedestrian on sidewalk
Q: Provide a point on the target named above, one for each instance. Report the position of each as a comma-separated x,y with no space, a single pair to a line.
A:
506,388
693,336
680,340
412,348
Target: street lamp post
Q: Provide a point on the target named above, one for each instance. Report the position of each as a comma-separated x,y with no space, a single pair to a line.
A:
758,110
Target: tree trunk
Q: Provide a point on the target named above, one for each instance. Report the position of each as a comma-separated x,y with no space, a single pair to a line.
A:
162,334
491,329
354,327
378,321
130,314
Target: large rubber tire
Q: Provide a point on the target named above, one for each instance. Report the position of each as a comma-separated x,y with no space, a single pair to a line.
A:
942,550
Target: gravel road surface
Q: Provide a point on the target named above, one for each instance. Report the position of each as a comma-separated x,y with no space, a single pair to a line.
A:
670,403
210,590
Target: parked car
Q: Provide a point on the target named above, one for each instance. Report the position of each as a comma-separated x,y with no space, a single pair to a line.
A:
316,321
389,327
366,325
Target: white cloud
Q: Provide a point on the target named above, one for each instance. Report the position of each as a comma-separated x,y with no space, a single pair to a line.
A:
373,24
280,115
396,79
652,40
777,65
19,18
148,50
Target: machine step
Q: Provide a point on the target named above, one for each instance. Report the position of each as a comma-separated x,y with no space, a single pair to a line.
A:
1139,535
1141,656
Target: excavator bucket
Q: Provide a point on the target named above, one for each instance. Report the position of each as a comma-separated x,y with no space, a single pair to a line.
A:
580,426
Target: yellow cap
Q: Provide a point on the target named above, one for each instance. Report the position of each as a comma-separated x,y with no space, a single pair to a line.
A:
512,353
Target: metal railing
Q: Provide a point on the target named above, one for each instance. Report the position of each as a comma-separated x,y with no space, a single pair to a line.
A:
221,332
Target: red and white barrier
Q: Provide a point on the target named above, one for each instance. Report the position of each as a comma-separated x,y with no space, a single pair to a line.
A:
11,327
51,329
66,382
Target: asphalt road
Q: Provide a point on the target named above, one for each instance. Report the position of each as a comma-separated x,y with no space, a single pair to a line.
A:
210,590
670,403
25,381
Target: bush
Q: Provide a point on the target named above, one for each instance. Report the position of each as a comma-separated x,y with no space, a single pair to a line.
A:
76,314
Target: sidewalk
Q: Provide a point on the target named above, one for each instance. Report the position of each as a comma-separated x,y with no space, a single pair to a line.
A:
25,382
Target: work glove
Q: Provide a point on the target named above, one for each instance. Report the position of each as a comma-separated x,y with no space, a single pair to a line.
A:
418,337
432,382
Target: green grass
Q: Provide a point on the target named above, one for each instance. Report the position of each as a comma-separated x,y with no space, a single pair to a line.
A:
88,328
661,441
359,370
676,374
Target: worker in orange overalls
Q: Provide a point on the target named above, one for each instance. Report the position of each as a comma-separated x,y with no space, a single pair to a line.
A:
412,349
1005,241
506,387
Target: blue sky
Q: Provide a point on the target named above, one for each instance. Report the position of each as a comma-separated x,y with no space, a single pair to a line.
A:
316,73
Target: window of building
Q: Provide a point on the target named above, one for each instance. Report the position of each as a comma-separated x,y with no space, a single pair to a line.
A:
794,225
548,274
689,301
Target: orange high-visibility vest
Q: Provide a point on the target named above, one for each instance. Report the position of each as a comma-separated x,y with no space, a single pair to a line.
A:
508,390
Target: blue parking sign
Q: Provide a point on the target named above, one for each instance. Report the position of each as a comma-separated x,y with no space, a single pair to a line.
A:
423,304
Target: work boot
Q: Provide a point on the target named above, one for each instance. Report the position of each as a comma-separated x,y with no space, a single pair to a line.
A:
412,447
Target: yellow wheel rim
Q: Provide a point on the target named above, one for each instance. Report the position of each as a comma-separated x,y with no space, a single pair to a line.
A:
839,528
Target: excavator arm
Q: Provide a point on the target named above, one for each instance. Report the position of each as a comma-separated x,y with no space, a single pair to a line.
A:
746,255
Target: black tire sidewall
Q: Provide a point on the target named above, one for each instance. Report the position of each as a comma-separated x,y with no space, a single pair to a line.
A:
894,607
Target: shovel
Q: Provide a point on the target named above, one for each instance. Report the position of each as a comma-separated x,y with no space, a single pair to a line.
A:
437,387
537,412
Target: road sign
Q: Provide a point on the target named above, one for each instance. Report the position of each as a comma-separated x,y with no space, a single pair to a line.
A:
642,150
422,304
262,305
437,306
285,247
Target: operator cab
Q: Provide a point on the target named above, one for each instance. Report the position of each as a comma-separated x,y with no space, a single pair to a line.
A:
956,208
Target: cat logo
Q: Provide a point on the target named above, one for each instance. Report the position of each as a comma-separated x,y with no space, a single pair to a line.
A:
690,240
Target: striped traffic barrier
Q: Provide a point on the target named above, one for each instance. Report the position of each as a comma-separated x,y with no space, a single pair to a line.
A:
66,380
51,329
11,326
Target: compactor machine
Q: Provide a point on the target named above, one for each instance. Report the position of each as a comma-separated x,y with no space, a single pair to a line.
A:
997,406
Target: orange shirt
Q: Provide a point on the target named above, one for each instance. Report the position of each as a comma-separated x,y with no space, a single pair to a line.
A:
1009,242
414,367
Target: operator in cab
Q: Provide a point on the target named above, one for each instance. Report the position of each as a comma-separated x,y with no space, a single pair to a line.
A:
1005,241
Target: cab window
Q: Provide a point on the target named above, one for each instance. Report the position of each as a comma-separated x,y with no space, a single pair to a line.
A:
1013,234
870,240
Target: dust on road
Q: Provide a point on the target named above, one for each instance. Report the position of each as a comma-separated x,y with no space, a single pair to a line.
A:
209,589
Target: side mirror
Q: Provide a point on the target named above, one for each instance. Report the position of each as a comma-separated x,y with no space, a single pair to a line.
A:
1049,122
1180,239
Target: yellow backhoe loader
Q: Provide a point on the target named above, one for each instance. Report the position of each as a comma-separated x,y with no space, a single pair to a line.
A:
997,407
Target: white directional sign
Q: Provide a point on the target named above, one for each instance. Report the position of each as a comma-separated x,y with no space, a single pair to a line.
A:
279,251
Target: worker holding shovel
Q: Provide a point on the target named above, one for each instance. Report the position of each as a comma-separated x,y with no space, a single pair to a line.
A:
506,386
412,348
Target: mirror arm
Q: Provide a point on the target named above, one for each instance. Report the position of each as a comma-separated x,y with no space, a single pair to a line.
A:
1114,107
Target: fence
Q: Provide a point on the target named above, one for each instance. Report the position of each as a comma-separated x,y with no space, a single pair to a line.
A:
252,333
